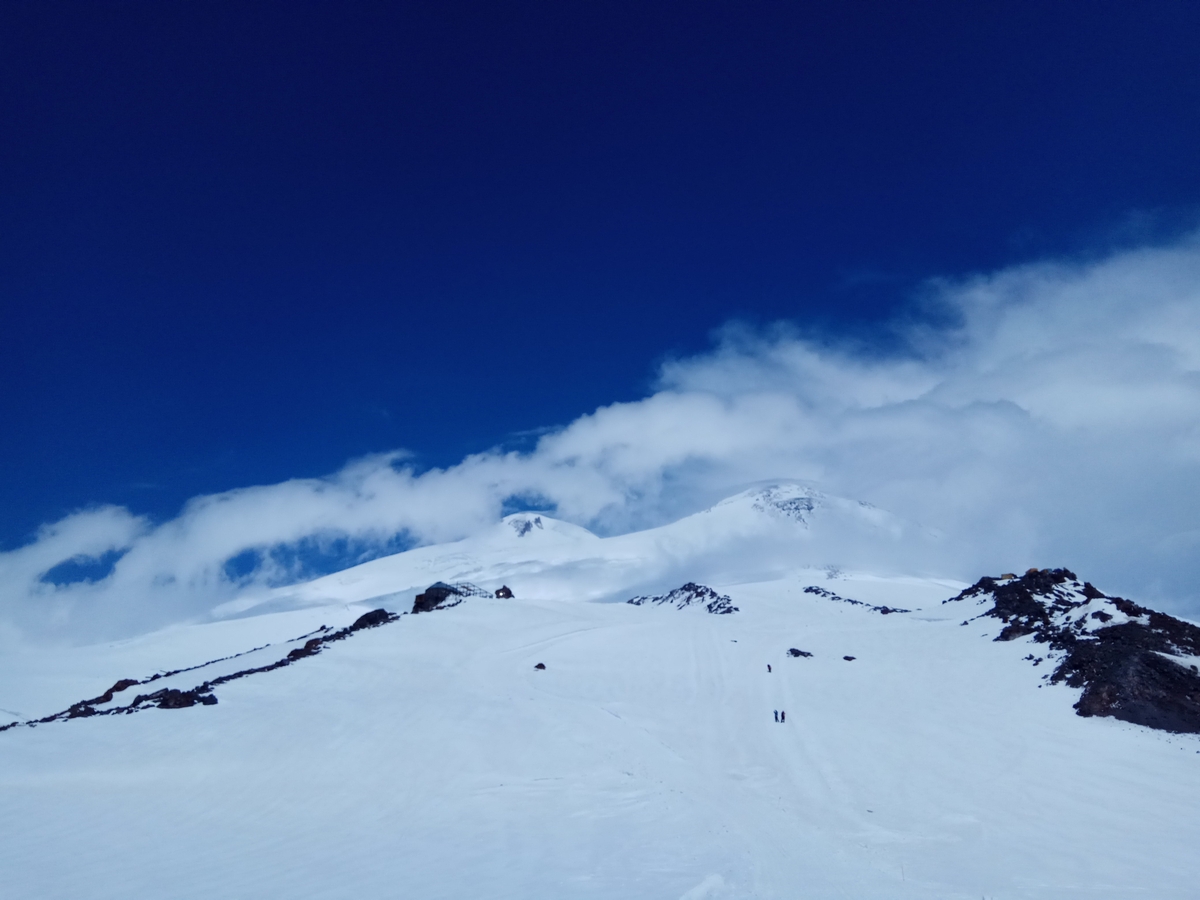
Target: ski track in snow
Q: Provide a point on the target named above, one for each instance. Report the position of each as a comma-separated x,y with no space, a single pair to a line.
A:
642,762
429,758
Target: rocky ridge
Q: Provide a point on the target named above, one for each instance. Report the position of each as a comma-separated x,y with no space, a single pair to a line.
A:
789,501
1132,663
690,594
441,595
830,595
202,694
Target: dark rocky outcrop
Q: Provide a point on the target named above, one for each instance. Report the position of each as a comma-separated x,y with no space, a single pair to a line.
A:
121,685
373,619
436,596
797,653
441,595
202,694
523,526
169,698
1127,659
830,595
310,648
688,595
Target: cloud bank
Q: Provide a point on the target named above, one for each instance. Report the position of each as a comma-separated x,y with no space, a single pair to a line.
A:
1051,416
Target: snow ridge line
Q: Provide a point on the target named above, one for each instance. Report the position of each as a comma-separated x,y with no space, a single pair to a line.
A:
830,595
172,698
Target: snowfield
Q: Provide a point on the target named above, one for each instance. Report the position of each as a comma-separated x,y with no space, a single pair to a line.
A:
428,757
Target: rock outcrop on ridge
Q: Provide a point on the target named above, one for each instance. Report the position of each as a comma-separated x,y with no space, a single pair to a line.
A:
202,694
440,595
1132,663
830,595
789,501
689,595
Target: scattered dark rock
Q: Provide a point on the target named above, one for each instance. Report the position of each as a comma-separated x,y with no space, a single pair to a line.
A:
779,501
1125,658
373,619
830,595
170,698
310,648
202,694
851,658
523,526
121,685
794,652
688,595
107,696
540,666
505,593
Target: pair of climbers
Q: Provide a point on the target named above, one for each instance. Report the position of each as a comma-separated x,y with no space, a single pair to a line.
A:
779,716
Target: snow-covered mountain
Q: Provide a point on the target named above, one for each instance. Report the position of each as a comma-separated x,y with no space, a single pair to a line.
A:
724,707
758,533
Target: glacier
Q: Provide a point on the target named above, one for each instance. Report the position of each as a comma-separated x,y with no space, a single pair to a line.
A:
427,754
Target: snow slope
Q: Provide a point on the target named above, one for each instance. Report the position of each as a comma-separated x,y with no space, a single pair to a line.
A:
428,757
758,533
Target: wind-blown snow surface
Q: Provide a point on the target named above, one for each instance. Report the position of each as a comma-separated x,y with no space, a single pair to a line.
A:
427,757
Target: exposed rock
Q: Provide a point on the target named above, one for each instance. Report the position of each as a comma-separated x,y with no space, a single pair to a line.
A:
794,652
435,596
688,595
202,694
440,595
830,595
849,658
169,698
1130,661
107,696
788,501
541,666
372,619
121,685
310,648
523,526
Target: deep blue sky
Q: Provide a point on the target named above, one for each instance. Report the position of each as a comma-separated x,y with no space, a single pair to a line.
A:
244,241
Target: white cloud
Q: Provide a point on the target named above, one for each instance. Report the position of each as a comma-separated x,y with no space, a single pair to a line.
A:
1054,421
